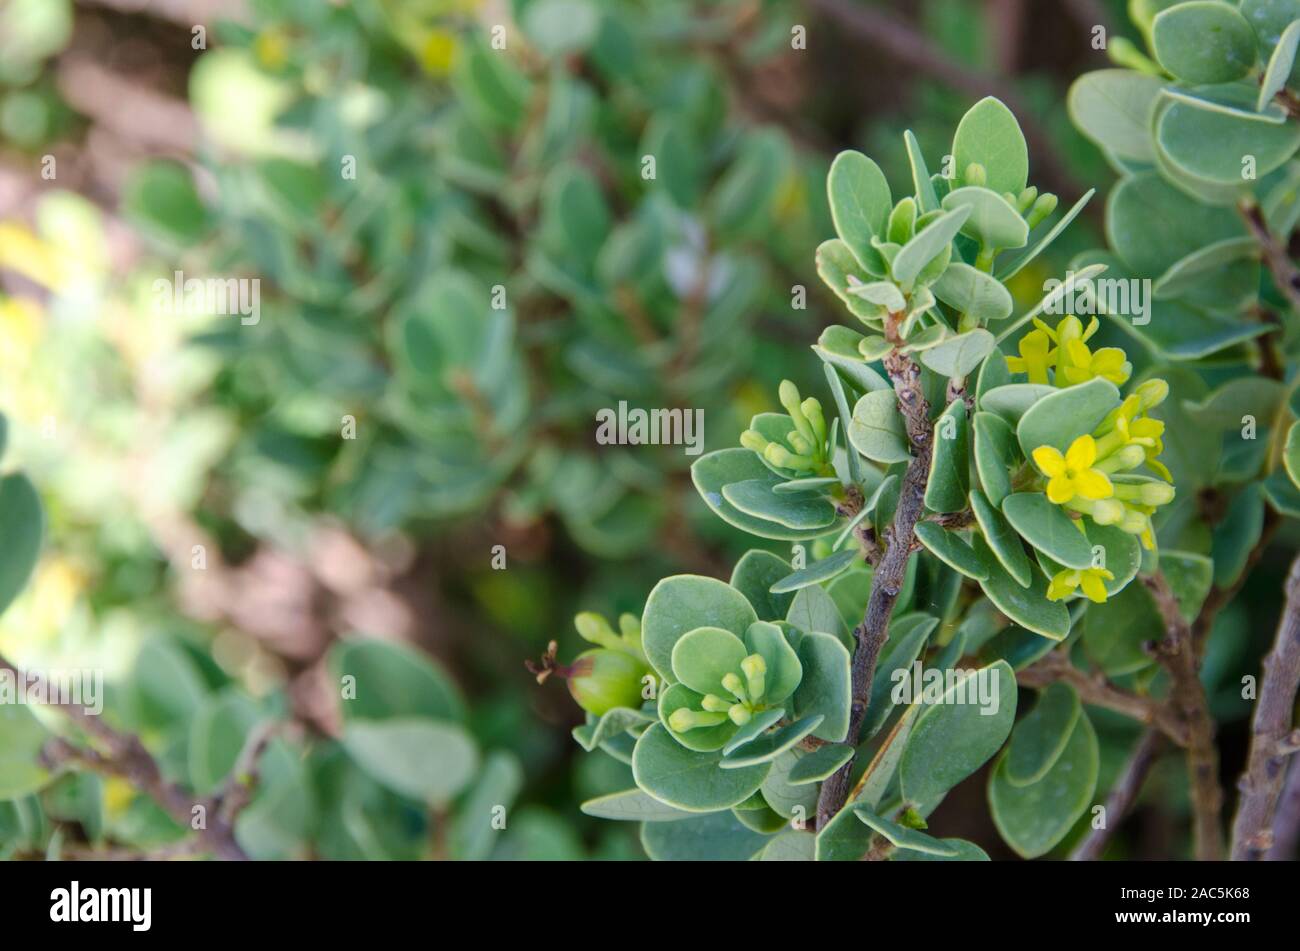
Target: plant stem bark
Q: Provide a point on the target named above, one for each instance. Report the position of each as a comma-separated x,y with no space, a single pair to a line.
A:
1272,741
1285,274
872,633
1122,796
1187,696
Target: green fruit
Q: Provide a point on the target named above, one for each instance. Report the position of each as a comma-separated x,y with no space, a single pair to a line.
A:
603,679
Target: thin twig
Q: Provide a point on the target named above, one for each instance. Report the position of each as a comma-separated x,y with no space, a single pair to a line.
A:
872,633
1095,690
122,754
1284,272
1187,695
1122,796
1272,741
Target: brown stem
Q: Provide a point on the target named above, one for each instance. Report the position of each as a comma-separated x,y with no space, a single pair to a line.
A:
1122,796
1285,274
1095,690
1187,696
1286,824
1272,742
122,754
872,633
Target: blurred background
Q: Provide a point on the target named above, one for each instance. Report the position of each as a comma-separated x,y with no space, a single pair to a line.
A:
228,499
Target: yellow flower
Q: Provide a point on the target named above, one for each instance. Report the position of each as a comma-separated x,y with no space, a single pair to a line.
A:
1091,580
1082,365
1035,357
1072,474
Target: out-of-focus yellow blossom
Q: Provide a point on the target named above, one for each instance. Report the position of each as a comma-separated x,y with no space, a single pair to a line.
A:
1072,474
1091,580
438,51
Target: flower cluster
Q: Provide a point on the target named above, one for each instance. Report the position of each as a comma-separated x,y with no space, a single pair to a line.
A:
745,691
1064,350
799,442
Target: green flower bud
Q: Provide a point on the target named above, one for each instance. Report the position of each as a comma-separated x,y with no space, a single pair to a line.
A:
592,627
1152,393
799,444
603,679
976,175
1025,200
753,441
755,668
812,409
731,683
739,714
1044,206
683,719
781,457
715,704
789,395
1156,493
1122,459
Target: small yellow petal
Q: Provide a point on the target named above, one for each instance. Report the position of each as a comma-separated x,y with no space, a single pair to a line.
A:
1060,489
1081,454
1093,484
1093,587
1049,460
1062,585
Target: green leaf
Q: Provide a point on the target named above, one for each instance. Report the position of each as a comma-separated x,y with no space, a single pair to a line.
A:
1224,408
957,735
1281,66
932,241
902,837
1115,633
754,576
971,291
926,199
1210,145
826,689
820,764
789,846
1002,541
1046,527
560,27
1061,417
682,603
1194,272
759,724
632,805
992,222
715,470
1151,224
964,852
860,204
1204,41
813,609
756,498
857,472
689,780
216,736
498,783
769,746
1034,818
161,200
1237,534
838,348
841,272
952,550
1040,737
719,837
990,135
22,737
428,760
741,200
958,356
783,668
783,797
818,571
1026,606
907,637
877,429
392,680
1113,107
1012,400
703,656
1014,264
949,479
22,526
996,455
1190,576
1290,457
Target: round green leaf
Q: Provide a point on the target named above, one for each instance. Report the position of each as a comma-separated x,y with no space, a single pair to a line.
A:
860,204
631,805
1026,605
990,135
949,480
877,429
1012,400
1061,417
754,576
1039,739
996,454
1113,108
768,746
929,245
1047,528
754,497
22,525
683,603
971,291
392,680
1034,818
952,550
704,739
826,687
427,760
956,736
1212,145
820,764
21,738
1204,41
1116,632
713,471
719,837
784,670
1001,540
1151,224
688,780
992,222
